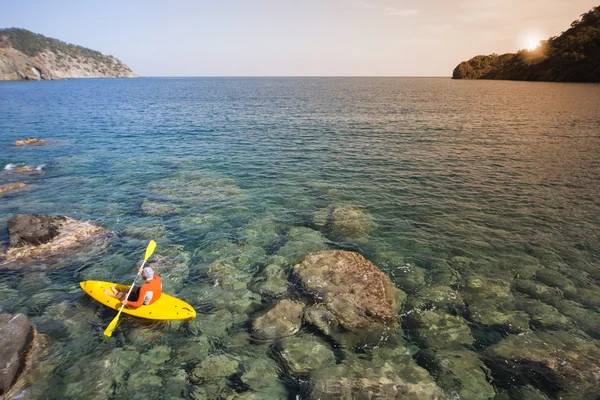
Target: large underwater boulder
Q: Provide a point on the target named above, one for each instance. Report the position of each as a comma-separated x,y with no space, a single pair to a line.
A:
350,221
351,288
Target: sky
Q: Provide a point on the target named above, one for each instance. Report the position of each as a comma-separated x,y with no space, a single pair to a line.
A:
295,37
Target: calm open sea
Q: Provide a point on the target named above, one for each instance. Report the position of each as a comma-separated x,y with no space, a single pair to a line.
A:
486,178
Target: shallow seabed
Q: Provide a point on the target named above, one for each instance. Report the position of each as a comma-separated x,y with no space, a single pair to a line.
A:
486,192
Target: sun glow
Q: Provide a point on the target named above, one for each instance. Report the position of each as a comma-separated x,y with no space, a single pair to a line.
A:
531,41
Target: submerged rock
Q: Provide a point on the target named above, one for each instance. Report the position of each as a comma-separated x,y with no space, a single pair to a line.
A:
354,290
459,372
41,236
438,330
284,319
490,302
28,141
350,221
539,291
271,281
436,297
11,187
359,379
559,361
214,368
543,316
301,241
324,320
555,279
585,319
20,348
152,207
302,354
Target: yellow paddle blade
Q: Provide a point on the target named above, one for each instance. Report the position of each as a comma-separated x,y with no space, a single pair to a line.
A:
111,327
150,250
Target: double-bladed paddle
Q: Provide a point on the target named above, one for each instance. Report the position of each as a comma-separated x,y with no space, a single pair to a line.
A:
113,324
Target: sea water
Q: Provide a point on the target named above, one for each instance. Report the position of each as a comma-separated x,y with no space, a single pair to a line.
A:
489,178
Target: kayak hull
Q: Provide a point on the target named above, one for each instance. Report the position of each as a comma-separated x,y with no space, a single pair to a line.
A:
166,308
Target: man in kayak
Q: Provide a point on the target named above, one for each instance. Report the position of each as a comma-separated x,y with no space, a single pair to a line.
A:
145,295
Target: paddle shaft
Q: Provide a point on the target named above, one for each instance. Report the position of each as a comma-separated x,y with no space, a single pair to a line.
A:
131,288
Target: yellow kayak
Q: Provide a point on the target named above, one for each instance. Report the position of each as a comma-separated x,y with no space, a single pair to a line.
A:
165,308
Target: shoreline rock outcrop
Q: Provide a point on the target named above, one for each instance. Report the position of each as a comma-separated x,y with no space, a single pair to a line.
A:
20,348
10,187
25,55
41,236
29,141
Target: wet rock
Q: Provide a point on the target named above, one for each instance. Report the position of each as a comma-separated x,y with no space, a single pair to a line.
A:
34,230
11,187
438,330
304,353
28,141
284,319
214,368
555,279
228,276
41,236
558,361
324,320
539,291
20,348
301,241
359,379
353,289
350,221
459,372
543,316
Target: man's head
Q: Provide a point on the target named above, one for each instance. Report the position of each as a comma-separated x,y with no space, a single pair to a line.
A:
147,273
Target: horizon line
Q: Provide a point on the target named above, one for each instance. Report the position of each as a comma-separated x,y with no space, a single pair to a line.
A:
295,76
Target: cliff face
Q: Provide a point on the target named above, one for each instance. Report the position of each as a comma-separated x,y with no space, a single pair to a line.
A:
574,56
25,55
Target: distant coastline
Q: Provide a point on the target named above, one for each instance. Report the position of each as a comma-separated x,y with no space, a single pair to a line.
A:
574,56
25,55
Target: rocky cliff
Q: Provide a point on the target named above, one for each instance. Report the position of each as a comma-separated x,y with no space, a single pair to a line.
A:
574,56
25,55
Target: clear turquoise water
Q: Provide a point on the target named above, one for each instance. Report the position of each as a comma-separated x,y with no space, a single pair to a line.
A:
506,174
